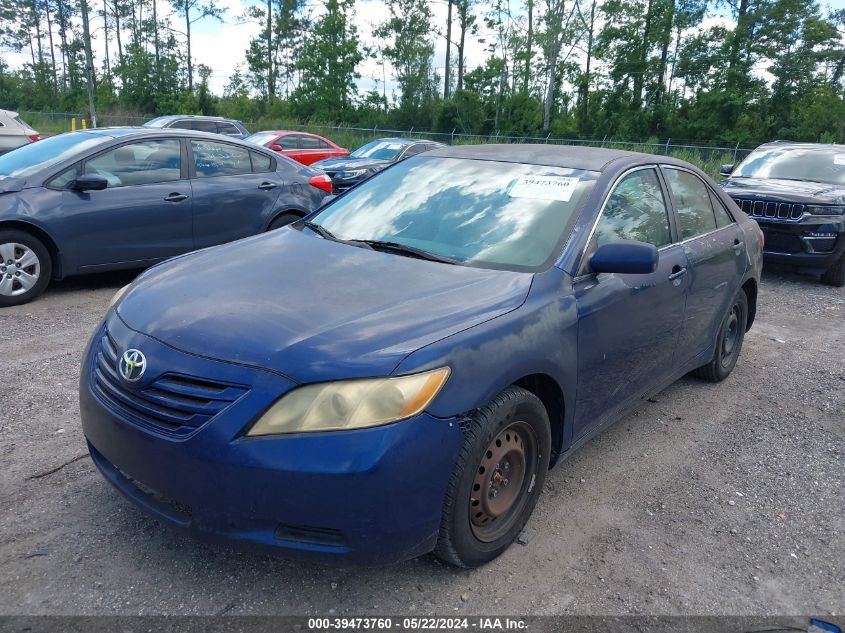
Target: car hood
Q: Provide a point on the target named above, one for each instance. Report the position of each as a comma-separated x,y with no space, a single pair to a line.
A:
345,164
785,190
310,308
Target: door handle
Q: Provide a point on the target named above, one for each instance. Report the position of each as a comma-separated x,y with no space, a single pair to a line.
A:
738,246
677,273
267,186
176,197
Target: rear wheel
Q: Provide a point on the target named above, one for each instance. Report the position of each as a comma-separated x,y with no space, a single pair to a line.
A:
729,342
25,268
283,220
497,479
835,275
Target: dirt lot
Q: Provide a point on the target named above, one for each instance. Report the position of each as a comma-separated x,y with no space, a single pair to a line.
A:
713,499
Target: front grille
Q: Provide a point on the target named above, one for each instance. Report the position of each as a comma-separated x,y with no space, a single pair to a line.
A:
173,404
770,210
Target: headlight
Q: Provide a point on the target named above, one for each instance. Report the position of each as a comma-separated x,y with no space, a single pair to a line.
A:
118,295
351,404
834,209
346,175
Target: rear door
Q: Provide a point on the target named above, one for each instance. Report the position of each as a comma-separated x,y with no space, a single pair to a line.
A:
144,214
313,149
715,248
628,325
235,191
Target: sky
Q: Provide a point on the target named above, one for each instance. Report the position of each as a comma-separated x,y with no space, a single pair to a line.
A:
222,45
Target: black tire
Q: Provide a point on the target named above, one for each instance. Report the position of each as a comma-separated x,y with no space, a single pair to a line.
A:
283,220
728,343
835,275
12,244
517,419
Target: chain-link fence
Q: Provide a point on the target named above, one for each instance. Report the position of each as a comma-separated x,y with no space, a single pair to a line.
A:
706,155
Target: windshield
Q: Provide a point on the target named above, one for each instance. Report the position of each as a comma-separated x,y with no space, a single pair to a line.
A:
33,157
815,164
483,213
261,138
380,150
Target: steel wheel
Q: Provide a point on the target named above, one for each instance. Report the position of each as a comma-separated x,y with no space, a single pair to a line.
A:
501,480
731,336
20,269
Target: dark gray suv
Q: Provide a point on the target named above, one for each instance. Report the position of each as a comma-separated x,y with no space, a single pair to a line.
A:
796,192
214,124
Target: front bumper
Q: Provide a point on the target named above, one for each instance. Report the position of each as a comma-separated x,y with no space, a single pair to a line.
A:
371,496
814,243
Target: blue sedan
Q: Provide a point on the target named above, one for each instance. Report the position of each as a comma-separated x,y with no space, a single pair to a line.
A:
395,374
117,198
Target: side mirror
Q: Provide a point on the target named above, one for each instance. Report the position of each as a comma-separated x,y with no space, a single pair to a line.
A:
626,257
276,148
89,182
726,170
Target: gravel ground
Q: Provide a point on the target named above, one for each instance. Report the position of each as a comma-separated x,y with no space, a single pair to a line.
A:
712,499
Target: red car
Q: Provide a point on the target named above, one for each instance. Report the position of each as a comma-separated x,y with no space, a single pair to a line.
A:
300,146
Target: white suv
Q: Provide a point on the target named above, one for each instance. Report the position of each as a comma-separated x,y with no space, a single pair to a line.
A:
14,132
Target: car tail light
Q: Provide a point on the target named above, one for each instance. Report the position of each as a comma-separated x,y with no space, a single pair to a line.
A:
34,137
321,182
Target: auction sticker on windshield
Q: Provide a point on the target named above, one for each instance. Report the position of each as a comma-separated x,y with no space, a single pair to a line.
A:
544,187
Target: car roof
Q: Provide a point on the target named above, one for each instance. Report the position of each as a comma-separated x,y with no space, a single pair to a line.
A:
571,156
194,116
9,113
800,145
406,140
122,132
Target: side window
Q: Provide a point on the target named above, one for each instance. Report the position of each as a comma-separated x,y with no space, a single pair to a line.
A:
419,148
220,159
309,142
204,125
227,128
723,218
291,141
635,210
261,163
63,179
141,163
692,199
185,124
323,144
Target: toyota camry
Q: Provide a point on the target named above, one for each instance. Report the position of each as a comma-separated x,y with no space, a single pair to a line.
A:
395,373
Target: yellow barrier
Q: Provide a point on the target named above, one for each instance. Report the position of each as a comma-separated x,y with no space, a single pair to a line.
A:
84,124
73,124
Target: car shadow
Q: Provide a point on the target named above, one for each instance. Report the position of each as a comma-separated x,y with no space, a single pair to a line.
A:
95,281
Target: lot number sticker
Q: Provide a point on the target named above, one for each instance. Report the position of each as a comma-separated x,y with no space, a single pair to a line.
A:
558,188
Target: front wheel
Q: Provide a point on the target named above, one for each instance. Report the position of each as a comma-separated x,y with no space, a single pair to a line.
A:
835,275
25,268
728,343
497,479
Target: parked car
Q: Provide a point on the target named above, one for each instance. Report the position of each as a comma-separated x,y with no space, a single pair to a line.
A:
14,132
213,124
396,373
370,159
300,146
796,192
116,198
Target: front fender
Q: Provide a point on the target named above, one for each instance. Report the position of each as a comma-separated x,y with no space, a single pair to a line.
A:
540,337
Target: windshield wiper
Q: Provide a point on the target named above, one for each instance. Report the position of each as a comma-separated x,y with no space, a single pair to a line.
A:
404,249
321,231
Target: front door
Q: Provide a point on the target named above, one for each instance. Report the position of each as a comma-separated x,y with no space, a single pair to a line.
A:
628,325
144,214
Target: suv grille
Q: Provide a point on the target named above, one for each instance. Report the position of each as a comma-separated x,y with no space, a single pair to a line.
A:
173,404
770,210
